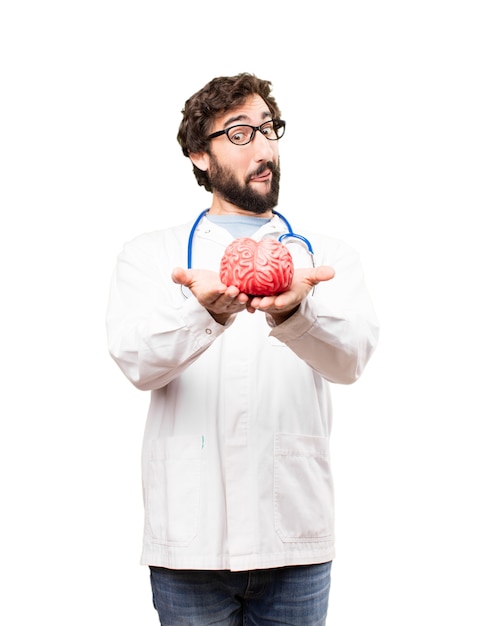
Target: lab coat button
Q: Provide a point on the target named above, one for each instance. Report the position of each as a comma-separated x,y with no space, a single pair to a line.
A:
208,331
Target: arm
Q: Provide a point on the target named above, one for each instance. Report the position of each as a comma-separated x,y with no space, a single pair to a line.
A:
154,333
335,329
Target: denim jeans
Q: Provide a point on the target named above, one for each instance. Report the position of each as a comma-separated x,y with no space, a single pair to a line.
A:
289,596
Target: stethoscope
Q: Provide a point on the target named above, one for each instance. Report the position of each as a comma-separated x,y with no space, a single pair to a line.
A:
288,235
282,238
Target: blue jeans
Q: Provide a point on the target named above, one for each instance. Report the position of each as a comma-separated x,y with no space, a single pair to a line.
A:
289,596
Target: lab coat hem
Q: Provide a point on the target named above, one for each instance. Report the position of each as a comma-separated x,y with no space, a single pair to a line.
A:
322,554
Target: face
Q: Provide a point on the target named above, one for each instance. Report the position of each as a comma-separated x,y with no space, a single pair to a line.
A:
248,176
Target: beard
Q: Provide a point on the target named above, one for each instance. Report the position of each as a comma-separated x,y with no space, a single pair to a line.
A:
224,182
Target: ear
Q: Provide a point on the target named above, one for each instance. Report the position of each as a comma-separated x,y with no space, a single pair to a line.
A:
200,159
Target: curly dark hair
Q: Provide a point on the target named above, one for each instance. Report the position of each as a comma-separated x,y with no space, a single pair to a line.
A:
217,97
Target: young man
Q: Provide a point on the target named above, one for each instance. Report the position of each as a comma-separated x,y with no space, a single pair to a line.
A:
236,471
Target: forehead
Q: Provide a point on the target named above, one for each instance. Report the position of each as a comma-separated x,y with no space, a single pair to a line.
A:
253,111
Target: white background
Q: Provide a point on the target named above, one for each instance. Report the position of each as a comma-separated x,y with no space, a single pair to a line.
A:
381,150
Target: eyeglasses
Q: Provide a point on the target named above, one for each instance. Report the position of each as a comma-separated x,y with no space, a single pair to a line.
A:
244,133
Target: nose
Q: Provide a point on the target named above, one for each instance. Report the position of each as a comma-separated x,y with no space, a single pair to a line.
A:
264,148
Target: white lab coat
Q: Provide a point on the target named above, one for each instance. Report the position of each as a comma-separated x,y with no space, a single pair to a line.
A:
236,464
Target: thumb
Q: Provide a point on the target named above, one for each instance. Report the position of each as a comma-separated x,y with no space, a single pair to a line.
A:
179,276
322,273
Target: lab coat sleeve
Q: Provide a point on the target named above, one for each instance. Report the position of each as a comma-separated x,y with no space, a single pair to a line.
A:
153,332
335,330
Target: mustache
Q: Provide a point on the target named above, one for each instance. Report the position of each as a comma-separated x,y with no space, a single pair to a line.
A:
269,165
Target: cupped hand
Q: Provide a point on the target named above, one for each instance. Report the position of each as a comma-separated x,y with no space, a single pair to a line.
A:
220,300
281,307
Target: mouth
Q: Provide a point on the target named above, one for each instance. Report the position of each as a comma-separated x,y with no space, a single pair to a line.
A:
261,176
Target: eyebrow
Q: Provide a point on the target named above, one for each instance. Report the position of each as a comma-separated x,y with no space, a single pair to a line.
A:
242,117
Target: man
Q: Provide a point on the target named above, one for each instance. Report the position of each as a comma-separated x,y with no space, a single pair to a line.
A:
236,471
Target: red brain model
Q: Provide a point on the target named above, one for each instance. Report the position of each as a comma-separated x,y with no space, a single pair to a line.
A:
263,268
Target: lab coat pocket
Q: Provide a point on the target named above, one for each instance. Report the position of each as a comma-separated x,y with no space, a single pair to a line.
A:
172,489
303,490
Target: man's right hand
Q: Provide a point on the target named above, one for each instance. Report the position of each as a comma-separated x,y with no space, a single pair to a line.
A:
219,300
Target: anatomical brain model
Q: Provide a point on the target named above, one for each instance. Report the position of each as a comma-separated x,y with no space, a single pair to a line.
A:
263,268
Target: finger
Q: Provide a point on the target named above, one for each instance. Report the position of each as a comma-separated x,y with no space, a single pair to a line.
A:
262,303
284,300
231,291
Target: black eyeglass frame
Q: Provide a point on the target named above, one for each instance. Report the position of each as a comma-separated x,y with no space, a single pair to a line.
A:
276,125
